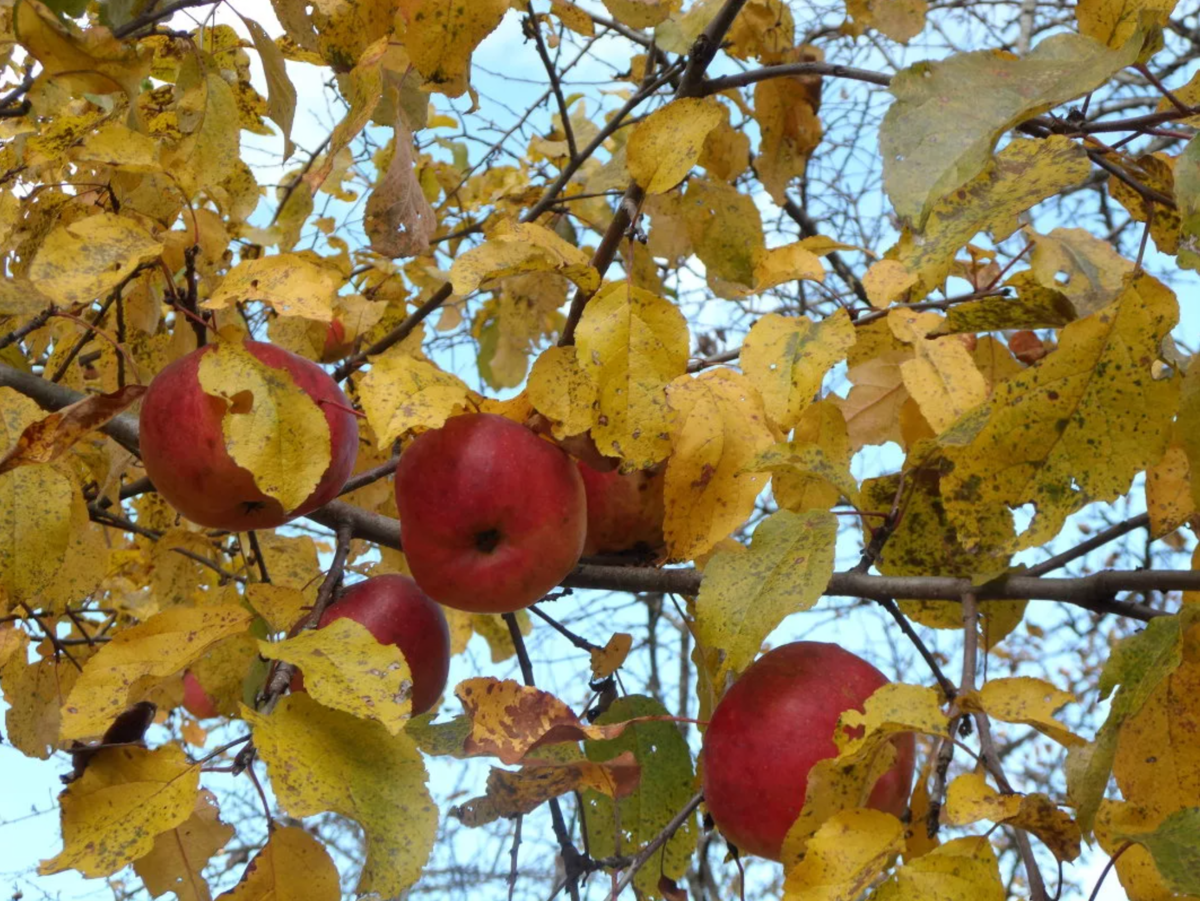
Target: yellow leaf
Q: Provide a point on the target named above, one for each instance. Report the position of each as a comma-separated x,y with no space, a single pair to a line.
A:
665,145
347,669
1079,265
872,408
492,629
179,856
788,263
442,35
970,799
573,17
83,260
281,93
401,393
293,285
562,391
280,605
51,437
1073,428
764,29
786,359
292,867
272,427
1113,22
608,659
125,798
138,656
726,151
324,760
725,227
1170,499
512,794
822,475
845,856
887,281
35,529
211,153
964,869
720,427
900,20
942,378
34,693
745,596
1023,699
632,343
516,247
362,86
786,111
642,13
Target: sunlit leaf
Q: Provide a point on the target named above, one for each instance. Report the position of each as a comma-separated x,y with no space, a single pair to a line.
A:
292,867
402,393
664,146
845,856
292,284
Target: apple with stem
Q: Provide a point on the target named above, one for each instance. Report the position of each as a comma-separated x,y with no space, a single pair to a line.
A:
772,726
397,612
183,446
624,511
492,517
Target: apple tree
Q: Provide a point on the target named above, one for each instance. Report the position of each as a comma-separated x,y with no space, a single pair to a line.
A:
430,425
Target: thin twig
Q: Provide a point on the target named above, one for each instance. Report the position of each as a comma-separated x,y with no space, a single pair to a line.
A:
655,843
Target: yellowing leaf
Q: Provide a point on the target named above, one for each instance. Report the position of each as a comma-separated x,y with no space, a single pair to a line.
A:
125,798
292,867
632,343
35,529
50,437
666,786
124,668
964,869
362,86
1033,307
887,281
179,856
1114,22
720,427
562,391
725,228
1175,846
812,471
786,111
1078,264
845,856
872,408
512,794
786,359
347,669
34,693
84,260
745,596
401,393
281,93
1023,699
788,263
280,605
970,799
642,13
442,35
272,427
292,284
665,145
900,20
516,247
1094,399
1169,491
608,659
939,132
942,378
325,760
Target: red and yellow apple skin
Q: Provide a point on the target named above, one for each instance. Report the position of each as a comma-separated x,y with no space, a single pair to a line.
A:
769,730
492,517
196,700
396,611
183,447
624,512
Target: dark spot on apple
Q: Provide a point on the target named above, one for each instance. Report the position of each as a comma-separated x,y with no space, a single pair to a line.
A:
487,540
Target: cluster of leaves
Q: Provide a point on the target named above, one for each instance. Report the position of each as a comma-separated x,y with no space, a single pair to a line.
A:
133,228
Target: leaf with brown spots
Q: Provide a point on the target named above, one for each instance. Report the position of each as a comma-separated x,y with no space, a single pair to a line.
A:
51,437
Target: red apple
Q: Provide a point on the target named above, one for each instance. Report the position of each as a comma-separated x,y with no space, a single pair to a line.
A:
183,447
769,729
196,700
397,612
335,346
491,516
624,512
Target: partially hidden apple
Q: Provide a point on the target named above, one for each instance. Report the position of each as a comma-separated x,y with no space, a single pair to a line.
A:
772,726
397,612
183,447
492,517
196,700
624,512
336,346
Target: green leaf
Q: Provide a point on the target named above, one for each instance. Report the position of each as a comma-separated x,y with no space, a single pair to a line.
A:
1175,847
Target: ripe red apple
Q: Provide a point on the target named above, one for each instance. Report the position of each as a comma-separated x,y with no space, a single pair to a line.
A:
769,729
491,516
183,447
397,612
196,700
335,346
624,512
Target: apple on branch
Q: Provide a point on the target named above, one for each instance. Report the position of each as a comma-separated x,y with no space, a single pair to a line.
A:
492,517
772,726
184,450
196,700
624,511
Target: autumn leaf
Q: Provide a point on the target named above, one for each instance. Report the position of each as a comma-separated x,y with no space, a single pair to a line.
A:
325,760
665,145
812,471
608,659
398,218
271,426
292,284
138,656
725,228
1077,264
1114,22
642,13
346,669
49,438
901,21
77,262
845,856
513,248
179,856
969,799
1024,699
280,605
440,37
562,391
126,797
786,111
745,596
964,869
293,866
941,377
34,691
402,393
